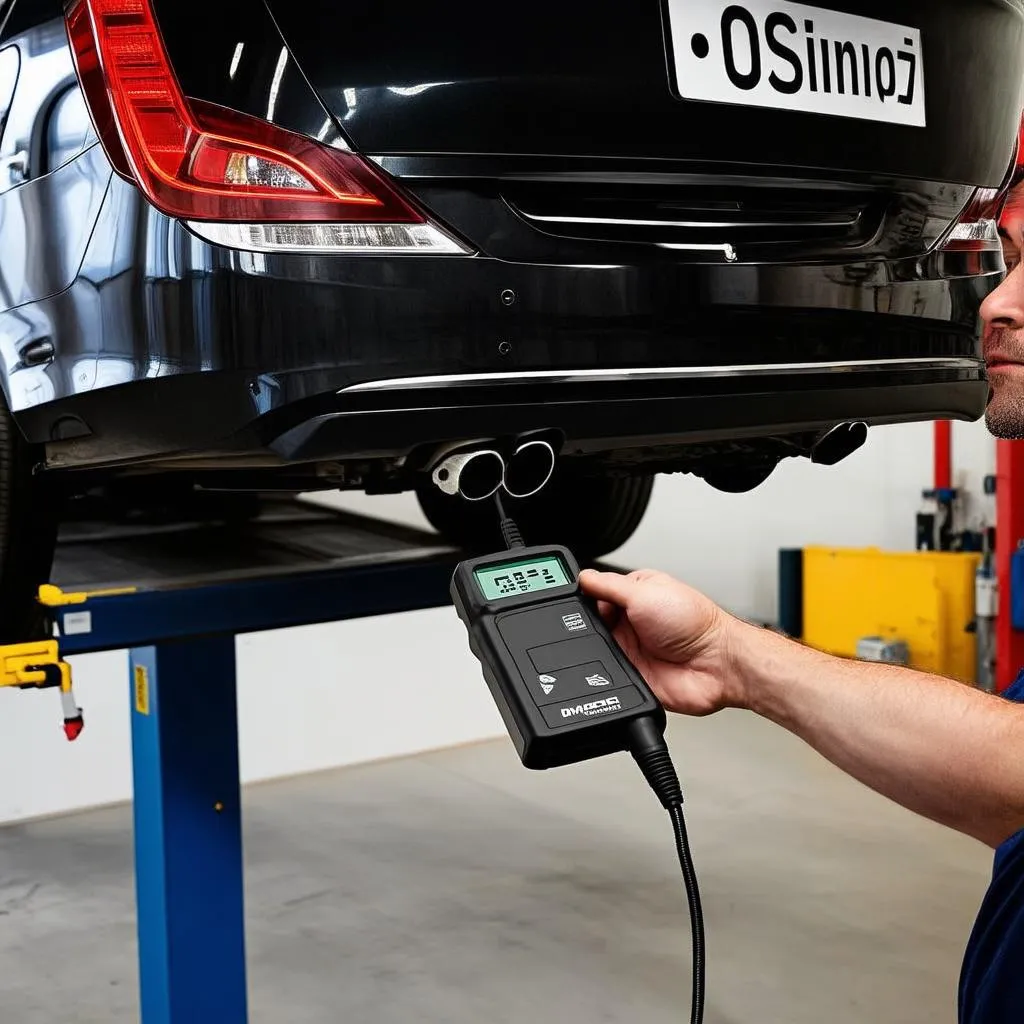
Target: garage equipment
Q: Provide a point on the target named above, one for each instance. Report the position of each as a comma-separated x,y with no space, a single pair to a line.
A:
924,599
564,687
935,526
1009,536
39,665
195,589
880,649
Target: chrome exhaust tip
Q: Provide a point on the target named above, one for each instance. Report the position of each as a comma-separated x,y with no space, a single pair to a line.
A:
529,469
474,476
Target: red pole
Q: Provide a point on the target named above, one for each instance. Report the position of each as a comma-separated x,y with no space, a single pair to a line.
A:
1009,534
943,455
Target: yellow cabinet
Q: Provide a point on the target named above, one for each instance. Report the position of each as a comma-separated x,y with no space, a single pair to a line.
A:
924,598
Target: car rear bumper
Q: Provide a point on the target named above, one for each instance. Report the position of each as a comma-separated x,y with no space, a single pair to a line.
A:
645,416
187,347
637,410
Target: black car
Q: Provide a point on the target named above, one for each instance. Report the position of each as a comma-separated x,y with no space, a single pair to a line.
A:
297,244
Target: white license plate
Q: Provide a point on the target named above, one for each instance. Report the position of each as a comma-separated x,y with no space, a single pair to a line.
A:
772,53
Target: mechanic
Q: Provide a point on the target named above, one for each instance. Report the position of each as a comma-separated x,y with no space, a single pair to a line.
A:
949,752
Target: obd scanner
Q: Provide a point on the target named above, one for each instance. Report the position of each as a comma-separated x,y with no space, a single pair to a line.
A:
564,687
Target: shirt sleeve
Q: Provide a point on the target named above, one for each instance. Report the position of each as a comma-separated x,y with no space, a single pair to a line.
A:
1016,690
991,983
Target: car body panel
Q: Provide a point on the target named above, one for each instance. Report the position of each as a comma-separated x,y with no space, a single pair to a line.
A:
47,73
127,341
68,203
590,79
280,336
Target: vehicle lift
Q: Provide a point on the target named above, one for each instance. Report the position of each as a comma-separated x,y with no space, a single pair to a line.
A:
177,598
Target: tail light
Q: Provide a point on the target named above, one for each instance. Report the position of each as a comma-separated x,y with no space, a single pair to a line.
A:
977,230
236,179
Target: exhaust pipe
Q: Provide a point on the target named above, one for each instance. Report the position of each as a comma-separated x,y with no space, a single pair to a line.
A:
529,469
839,443
474,476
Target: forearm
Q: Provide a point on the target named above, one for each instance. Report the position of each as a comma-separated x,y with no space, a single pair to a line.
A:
942,749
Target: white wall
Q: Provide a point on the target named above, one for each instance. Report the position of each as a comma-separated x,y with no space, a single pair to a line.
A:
305,699
305,694
727,545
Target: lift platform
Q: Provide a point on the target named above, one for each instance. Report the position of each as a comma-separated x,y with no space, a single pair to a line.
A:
177,597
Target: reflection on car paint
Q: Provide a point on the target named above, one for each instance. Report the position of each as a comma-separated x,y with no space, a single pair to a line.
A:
67,200
69,131
225,336
47,71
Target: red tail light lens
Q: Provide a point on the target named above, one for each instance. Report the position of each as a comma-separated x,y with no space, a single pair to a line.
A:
201,162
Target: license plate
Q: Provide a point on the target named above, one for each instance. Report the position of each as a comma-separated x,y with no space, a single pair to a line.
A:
772,53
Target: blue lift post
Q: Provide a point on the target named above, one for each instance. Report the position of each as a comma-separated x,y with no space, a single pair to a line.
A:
304,567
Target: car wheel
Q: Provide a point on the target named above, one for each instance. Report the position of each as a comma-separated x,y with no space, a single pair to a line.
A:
28,535
591,515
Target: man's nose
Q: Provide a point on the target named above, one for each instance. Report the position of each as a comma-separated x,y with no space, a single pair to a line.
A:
1004,308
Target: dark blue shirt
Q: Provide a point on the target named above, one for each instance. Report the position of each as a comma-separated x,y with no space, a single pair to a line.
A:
992,981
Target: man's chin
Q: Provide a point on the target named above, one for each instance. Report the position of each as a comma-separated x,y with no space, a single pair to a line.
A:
1004,416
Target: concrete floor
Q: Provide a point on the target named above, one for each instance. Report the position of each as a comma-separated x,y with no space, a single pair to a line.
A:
456,888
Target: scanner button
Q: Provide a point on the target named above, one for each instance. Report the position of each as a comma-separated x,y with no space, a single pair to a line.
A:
566,653
571,683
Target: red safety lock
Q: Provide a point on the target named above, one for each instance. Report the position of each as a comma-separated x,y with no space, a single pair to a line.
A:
73,727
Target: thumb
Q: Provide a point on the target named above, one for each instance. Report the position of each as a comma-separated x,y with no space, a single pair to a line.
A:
606,586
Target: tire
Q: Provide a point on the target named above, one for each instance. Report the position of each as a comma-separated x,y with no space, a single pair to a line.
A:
591,515
28,535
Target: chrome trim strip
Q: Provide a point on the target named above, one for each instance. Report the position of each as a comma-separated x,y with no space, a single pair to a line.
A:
665,373
724,248
725,225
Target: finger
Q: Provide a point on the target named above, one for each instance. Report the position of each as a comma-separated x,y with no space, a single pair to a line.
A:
611,613
611,587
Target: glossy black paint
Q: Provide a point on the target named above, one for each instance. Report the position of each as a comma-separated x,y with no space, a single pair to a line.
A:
253,345
243,63
164,345
589,78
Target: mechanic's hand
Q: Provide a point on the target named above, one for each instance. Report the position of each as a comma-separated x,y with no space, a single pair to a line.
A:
678,638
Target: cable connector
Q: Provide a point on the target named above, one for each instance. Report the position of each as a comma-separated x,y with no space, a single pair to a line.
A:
509,531
510,535
649,750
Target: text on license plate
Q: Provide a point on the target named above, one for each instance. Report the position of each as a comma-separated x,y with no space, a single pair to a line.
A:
772,53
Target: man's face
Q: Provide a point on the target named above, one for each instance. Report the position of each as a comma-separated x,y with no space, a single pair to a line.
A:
1003,314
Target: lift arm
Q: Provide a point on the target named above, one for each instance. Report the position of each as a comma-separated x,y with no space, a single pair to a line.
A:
38,665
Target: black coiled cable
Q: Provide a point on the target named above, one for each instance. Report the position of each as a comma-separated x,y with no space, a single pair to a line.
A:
696,913
651,753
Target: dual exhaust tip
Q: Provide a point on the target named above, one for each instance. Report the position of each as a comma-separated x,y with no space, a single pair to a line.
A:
478,475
